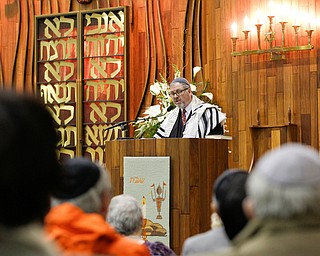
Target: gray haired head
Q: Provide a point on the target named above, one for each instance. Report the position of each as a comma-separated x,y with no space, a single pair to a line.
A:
180,80
285,182
125,214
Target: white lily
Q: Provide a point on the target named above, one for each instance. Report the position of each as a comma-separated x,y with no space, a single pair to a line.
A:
208,94
154,110
195,70
155,88
193,88
177,74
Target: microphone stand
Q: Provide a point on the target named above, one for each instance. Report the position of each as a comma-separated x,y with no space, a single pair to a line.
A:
124,124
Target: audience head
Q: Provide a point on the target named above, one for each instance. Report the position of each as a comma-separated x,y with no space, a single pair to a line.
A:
84,184
285,183
180,92
228,195
29,168
125,215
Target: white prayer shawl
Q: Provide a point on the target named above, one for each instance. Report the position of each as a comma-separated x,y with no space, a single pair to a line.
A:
201,122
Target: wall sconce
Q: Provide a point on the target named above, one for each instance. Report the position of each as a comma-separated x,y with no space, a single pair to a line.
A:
276,52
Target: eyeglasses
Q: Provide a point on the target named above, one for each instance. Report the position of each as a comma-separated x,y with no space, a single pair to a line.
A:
178,92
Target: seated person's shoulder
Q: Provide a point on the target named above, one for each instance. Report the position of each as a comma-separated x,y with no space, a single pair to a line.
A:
130,247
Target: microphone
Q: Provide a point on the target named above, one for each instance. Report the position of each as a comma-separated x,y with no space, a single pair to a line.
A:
171,107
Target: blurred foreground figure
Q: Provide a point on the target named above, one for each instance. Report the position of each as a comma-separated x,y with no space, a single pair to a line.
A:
227,197
125,215
29,172
283,202
77,219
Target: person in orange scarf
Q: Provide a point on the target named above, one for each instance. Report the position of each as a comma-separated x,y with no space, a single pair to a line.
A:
76,221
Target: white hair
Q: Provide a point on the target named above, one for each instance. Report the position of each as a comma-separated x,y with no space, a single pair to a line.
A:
125,214
91,201
271,199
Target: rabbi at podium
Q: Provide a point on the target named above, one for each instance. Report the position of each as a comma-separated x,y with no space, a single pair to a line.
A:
192,118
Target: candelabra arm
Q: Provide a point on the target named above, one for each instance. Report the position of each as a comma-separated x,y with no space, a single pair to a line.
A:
258,26
309,32
283,28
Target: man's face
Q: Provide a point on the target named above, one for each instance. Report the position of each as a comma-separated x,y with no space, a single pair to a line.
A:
180,95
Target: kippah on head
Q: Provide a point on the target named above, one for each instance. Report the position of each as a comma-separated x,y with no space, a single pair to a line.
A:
180,80
290,164
79,175
229,181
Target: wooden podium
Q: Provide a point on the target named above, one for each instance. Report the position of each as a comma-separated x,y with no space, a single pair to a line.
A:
194,164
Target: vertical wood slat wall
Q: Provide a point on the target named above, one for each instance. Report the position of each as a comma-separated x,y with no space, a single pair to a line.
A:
243,86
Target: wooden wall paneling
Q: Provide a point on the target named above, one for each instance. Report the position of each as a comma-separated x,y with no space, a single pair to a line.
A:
161,15
139,57
184,229
29,67
235,118
262,93
161,148
175,227
152,54
176,37
281,112
54,6
64,6
174,177
149,147
114,2
203,182
196,40
295,94
1,75
37,7
305,128
243,115
195,206
19,69
184,150
314,109
304,77
287,88
138,147
113,166
9,39
318,119
242,149
271,104
188,42
45,6
194,163
254,90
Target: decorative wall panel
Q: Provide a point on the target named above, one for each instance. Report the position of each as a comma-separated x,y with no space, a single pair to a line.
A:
81,77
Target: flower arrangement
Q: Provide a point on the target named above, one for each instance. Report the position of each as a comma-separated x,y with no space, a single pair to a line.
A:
154,115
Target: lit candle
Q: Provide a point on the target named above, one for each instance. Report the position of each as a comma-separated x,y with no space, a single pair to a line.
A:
283,13
296,20
309,23
259,17
246,24
271,9
144,207
234,30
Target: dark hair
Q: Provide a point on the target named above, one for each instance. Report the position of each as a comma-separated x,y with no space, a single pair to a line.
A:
29,169
229,191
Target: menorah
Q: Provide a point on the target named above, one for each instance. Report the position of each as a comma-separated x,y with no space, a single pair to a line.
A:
276,52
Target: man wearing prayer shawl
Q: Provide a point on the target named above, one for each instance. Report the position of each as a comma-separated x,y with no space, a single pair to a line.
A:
192,118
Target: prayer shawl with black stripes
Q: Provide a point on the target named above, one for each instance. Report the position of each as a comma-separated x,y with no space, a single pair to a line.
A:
203,120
